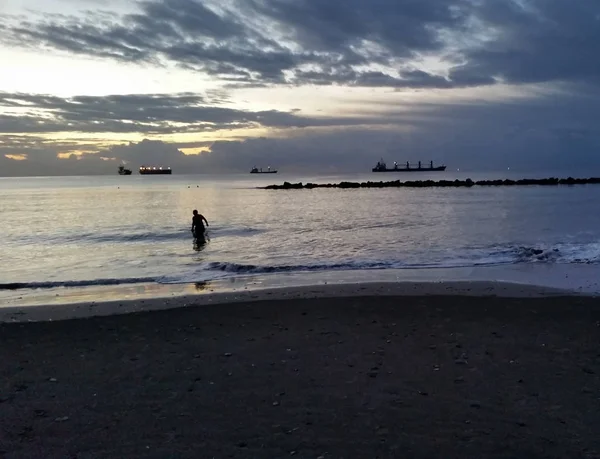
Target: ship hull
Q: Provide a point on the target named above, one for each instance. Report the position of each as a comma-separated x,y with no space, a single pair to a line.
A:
155,172
423,169
263,172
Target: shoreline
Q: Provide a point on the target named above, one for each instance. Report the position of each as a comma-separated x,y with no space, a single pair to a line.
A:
98,307
566,280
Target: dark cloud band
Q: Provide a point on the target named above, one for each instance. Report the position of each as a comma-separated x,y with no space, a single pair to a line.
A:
350,42
147,114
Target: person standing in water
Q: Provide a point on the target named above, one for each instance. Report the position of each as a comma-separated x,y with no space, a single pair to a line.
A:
198,221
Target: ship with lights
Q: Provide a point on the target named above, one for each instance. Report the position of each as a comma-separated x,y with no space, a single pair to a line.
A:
256,170
381,167
155,170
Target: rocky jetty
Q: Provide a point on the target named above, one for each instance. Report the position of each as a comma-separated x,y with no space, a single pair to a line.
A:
552,181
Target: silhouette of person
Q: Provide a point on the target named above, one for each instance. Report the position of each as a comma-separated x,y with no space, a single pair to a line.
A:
198,225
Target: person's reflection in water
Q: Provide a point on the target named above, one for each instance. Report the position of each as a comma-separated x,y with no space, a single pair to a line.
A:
200,286
200,243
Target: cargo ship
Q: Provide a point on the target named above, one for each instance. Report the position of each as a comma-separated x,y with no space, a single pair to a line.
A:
256,170
381,167
123,171
154,170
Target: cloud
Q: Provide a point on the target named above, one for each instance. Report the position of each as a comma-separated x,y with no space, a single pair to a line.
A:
399,28
146,114
529,45
352,42
556,133
42,161
535,41
312,151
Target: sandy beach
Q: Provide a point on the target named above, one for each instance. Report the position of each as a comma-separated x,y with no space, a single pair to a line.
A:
347,372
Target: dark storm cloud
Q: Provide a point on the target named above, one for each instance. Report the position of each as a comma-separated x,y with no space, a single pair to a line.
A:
149,114
537,41
416,79
335,41
401,27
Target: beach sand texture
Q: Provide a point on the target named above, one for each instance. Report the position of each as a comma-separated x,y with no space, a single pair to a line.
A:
354,377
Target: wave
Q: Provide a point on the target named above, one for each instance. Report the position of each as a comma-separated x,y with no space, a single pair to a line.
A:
563,253
127,236
256,269
100,238
568,253
76,283
148,236
559,253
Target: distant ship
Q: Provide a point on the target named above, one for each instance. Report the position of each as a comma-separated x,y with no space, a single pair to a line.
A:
155,170
256,170
123,171
381,167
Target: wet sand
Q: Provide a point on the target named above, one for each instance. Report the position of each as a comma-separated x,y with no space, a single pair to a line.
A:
113,301
360,376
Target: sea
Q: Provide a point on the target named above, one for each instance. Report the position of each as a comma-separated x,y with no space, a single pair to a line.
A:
63,233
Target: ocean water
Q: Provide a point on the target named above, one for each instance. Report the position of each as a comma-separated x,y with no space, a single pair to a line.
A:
110,230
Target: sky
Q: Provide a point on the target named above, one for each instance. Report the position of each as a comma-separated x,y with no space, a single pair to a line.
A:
301,85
